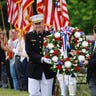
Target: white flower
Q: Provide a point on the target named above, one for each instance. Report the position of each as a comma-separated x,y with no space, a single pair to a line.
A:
63,69
54,66
57,35
54,58
81,58
87,55
53,39
75,65
72,69
51,51
80,39
84,50
68,64
84,43
77,34
50,46
44,52
58,45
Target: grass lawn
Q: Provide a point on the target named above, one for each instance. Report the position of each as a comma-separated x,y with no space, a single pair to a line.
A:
10,92
82,90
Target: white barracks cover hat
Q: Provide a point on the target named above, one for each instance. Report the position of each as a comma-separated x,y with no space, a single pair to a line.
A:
37,18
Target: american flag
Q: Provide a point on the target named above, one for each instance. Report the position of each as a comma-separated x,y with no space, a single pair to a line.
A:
27,13
10,8
65,15
46,7
40,6
57,17
61,18
18,13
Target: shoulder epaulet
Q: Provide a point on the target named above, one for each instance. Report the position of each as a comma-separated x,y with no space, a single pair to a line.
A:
31,32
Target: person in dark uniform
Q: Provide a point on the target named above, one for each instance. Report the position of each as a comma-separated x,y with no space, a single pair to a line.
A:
91,71
40,76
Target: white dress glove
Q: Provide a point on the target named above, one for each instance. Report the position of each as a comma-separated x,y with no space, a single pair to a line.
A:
46,60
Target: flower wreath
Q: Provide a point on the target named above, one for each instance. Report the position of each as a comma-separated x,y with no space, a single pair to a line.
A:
52,49
81,45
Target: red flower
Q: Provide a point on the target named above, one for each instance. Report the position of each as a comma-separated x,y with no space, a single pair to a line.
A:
89,57
67,69
57,39
56,52
75,39
73,31
79,30
87,48
59,67
46,56
67,59
45,43
89,41
77,68
10,54
62,60
77,52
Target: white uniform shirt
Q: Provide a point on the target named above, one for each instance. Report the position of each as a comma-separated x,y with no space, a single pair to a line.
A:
13,45
21,44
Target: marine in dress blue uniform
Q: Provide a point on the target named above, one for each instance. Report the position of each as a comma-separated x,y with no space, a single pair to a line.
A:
40,76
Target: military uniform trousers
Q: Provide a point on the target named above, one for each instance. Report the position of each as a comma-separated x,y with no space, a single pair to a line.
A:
40,87
67,81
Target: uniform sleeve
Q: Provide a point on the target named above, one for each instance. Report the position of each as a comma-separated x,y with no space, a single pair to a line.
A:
92,63
35,57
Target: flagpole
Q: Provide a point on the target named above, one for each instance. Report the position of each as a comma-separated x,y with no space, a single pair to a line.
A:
10,26
2,16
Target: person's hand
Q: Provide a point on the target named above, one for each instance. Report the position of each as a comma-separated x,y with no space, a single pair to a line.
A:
86,62
46,60
72,53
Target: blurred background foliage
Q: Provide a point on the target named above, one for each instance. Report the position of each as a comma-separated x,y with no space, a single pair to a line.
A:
82,14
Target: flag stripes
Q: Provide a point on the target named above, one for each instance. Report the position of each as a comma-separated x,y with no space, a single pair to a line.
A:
20,11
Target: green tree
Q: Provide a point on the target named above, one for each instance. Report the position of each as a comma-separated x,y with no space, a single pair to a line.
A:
82,14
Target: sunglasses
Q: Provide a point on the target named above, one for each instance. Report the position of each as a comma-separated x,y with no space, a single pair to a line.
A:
37,23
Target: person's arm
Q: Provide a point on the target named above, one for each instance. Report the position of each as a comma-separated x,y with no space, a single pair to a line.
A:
35,57
21,50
